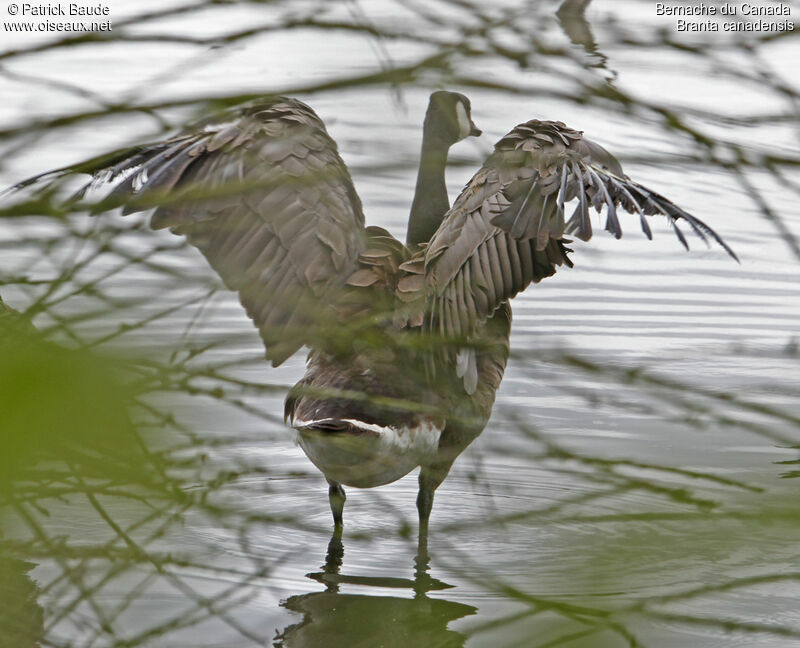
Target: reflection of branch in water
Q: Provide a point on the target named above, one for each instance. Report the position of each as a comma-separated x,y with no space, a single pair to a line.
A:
373,620
571,16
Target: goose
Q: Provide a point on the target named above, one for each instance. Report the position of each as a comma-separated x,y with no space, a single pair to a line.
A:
408,342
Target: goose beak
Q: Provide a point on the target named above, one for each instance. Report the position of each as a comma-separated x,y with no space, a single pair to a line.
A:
474,130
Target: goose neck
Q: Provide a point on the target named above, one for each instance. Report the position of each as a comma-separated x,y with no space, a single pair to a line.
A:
430,196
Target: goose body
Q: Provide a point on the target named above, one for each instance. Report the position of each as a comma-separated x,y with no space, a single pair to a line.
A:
360,443
408,342
356,453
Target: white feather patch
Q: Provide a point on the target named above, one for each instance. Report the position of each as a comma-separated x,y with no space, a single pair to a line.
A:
467,368
368,460
464,127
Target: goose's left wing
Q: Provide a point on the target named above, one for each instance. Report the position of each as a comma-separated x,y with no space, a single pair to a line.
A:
507,227
264,195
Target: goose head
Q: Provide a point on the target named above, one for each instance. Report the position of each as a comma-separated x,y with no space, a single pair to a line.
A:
449,119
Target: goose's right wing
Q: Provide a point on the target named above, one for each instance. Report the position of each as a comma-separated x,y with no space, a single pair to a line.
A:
507,227
264,195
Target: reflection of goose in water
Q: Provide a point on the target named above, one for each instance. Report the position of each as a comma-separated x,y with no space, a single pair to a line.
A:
333,619
408,343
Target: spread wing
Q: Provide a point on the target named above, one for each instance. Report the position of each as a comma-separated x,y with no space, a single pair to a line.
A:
264,195
507,227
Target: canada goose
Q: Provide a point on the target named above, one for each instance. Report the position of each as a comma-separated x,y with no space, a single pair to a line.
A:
408,342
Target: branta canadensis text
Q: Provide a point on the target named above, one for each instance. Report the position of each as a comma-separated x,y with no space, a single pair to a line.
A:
408,342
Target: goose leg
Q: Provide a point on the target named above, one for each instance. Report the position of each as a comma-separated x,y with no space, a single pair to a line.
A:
337,498
430,477
424,506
